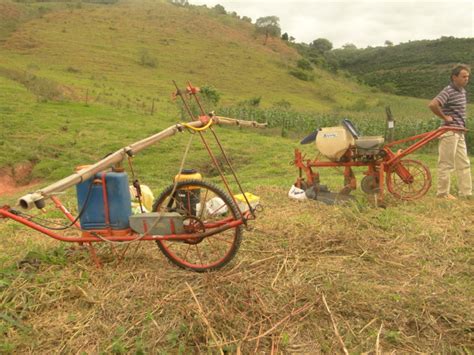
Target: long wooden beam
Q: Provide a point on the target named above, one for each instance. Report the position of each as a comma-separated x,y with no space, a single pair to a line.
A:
37,198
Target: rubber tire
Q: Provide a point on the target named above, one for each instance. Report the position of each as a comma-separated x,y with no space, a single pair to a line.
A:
231,207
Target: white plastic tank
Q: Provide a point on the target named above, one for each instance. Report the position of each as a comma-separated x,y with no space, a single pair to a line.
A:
333,142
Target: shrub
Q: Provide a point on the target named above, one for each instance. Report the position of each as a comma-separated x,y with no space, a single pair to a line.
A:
302,75
304,64
146,59
210,95
252,102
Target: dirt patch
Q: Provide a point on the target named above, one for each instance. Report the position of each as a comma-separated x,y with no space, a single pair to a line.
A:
10,11
13,179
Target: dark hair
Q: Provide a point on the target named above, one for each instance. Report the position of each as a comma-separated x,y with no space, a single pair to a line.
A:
457,69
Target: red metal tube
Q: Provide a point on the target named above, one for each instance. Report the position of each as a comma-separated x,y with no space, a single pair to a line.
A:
4,211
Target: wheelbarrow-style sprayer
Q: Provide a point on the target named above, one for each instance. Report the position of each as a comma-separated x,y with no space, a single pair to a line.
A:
343,146
195,223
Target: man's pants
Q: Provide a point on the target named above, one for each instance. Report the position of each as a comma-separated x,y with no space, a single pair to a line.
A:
453,156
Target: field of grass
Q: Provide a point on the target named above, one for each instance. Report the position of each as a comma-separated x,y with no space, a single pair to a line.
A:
308,277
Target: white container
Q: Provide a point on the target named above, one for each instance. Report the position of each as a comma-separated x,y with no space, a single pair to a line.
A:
215,206
157,223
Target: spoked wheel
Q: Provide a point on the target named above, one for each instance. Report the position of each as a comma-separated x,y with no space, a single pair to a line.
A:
204,207
409,180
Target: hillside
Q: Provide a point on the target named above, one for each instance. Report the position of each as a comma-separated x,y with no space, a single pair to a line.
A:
69,60
417,68
81,80
130,52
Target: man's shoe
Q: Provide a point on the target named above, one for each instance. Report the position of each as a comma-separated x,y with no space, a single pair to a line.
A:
448,197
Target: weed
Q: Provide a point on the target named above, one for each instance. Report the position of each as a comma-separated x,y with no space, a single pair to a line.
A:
146,59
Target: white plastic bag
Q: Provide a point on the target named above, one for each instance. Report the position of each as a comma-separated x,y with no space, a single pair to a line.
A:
296,193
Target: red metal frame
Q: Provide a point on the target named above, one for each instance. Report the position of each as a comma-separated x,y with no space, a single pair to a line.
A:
117,235
109,234
388,163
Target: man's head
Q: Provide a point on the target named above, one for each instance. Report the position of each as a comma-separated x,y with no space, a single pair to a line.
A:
460,75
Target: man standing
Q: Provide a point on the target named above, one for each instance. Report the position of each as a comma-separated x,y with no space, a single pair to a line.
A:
450,105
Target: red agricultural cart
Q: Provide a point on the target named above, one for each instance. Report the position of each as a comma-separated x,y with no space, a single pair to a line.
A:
197,225
344,147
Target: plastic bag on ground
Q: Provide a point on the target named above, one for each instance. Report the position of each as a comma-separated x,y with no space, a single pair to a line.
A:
296,193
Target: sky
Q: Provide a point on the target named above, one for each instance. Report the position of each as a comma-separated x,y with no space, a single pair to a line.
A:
363,23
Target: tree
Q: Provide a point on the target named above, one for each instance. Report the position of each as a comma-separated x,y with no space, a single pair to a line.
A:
388,43
246,19
219,9
284,36
269,25
321,45
349,46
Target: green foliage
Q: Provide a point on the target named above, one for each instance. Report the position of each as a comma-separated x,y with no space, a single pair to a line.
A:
282,105
252,102
45,89
389,88
304,64
321,45
301,74
219,9
210,95
418,68
146,59
269,25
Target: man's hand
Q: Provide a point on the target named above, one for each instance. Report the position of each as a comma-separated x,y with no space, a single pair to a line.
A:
435,107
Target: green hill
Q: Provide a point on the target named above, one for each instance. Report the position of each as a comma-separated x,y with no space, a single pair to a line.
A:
123,57
131,51
79,80
418,68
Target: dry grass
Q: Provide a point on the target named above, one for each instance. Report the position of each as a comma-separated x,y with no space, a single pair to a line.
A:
308,278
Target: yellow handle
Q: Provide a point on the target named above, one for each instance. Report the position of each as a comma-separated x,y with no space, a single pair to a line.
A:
198,128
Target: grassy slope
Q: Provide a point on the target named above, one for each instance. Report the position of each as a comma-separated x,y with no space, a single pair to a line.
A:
103,44
403,266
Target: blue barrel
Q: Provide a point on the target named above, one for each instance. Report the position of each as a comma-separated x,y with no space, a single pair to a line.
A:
118,196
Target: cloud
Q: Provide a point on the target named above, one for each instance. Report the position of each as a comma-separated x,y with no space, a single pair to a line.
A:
363,23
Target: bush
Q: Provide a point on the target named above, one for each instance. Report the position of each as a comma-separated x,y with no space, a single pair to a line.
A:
302,75
252,102
146,59
210,95
304,64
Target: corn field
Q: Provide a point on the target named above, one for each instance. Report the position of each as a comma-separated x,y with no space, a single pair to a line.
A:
368,123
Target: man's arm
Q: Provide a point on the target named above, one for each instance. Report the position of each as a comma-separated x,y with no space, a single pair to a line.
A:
435,107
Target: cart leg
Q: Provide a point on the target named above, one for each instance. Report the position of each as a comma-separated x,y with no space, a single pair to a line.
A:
381,184
93,254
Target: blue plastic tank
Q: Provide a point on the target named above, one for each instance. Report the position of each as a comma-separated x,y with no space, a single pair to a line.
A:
118,196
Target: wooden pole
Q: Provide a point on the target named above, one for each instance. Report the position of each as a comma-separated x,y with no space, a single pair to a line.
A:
29,200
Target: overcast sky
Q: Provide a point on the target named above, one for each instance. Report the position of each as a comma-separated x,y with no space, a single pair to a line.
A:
363,23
